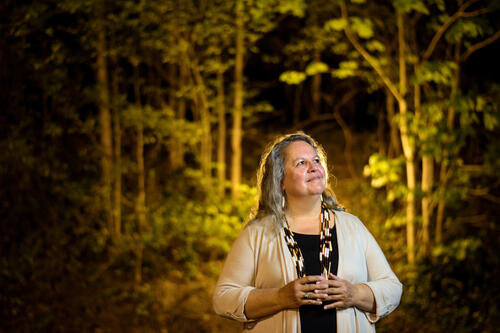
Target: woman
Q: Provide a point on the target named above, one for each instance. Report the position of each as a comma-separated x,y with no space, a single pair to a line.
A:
302,264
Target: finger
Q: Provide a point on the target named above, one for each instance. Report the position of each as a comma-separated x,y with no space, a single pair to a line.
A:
311,278
334,291
334,298
333,277
311,298
320,296
335,283
312,287
314,294
336,305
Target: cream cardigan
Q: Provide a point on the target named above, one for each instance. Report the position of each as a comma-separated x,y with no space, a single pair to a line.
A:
259,258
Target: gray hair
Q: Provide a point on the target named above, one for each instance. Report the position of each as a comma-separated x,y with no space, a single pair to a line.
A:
271,172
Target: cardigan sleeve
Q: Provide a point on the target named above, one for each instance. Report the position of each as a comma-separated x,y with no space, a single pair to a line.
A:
236,280
381,279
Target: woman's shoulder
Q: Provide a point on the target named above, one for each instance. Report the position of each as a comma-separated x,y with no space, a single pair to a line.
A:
262,224
347,220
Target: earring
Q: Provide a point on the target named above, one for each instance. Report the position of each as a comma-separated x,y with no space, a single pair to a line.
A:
321,197
283,201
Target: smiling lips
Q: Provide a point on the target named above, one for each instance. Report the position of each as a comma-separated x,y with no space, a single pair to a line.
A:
314,178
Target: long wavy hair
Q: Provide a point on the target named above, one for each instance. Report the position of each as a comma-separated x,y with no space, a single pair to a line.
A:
272,170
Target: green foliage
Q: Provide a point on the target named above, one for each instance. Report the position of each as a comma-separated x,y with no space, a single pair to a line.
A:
316,68
407,6
346,69
337,24
436,72
386,172
362,26
467,28
458,250
292,77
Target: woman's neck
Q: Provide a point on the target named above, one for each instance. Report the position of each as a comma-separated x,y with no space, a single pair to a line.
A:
303,215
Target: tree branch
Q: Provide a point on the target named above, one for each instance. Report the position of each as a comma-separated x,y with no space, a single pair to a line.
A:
444,27
480,45
371,61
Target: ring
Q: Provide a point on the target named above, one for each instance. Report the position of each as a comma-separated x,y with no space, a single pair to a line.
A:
306,295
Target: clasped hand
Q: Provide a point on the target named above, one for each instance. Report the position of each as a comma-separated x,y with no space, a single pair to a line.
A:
315,290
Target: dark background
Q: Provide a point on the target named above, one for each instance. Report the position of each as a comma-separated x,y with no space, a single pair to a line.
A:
130,234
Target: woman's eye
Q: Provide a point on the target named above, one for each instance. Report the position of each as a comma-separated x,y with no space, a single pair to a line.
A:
300,163
316,160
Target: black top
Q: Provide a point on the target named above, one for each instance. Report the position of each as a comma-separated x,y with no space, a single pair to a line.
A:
313,318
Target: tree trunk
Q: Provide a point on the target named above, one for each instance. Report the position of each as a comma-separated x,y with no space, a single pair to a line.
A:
394,142
236,137
176,146
427,182
117,184
407,143
316,89
206,139
221,135
104,117
297,98
141,191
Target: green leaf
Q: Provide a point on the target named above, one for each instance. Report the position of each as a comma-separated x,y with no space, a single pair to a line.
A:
464,28
437,72
335,24
363,27
294,7
316,68
375,45
406,6
292,77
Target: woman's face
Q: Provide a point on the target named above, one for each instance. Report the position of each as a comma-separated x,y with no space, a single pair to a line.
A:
304,174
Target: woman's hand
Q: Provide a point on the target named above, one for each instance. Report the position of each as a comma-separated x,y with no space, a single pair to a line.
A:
307,290
345,294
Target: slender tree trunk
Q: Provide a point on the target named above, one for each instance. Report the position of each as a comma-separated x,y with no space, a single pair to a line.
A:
117,184
237,135
427,182
399,94
206,139
297,98
316,89
408,148
178,104
445,163
381,131
221,135
394,142
141,191
104,117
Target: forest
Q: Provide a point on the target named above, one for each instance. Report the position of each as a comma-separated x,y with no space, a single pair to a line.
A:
131,131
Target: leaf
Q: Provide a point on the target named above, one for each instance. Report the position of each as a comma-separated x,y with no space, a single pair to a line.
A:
375,45
471,28
335,24
363,27
437,72
294,7
406,6
316,68
292,77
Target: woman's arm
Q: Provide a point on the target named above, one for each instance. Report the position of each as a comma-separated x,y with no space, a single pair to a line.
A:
236,297
264,302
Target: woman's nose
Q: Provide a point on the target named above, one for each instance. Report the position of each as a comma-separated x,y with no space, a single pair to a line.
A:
312,167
